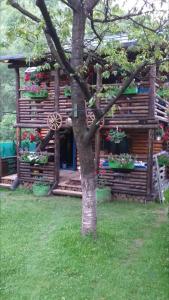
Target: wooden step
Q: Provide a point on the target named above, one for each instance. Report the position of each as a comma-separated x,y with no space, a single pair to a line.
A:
67,193
5,185
69,186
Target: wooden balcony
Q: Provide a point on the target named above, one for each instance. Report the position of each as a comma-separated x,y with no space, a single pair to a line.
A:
161,108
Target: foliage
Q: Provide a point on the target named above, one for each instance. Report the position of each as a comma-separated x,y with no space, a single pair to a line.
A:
122,159
163,92
7,132
44,257
67,91
159,132
34,157
115,136
163,160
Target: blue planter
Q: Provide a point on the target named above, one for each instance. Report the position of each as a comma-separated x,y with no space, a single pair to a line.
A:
143,90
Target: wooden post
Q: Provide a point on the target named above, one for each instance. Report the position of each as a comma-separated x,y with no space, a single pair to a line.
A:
150,164
152,94
18,141
97,136
18,130
17,87
56,135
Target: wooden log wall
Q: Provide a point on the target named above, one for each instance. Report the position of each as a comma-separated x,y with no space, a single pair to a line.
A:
8,166
32,173
134,182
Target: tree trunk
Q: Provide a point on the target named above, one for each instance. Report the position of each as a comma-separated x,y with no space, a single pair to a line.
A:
86,154
88,184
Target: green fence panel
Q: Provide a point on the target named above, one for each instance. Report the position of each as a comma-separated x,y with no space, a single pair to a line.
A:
7,149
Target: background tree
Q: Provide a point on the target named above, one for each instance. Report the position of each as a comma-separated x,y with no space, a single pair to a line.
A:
82,24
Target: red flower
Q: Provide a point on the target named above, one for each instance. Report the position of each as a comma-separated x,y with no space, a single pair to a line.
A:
27,77
24,135
102,172
32,137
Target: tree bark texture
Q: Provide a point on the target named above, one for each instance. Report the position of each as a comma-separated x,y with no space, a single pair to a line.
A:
86,155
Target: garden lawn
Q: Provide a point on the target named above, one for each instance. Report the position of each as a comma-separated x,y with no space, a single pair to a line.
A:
43,255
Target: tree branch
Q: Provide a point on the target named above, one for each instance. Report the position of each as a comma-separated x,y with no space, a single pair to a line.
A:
94,29
26,13
95,124
89,5
69,4
52,32
117,18
14,4
143,26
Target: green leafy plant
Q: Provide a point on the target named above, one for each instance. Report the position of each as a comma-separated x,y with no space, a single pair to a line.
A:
122,161
115,136
163,92
67,91
34,158
163,160
7,132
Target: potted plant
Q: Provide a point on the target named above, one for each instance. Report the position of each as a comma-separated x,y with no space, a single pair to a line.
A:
118,141
103,192
116,136
40,188
67,91
121,162
159,132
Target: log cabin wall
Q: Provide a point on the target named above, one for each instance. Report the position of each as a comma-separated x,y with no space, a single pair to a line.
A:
134,114
134,182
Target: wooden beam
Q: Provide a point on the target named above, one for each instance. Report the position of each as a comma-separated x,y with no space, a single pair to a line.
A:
150,164
56,135
152,94
97,135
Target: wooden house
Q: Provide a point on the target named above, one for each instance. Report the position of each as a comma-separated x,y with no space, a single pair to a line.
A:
140,115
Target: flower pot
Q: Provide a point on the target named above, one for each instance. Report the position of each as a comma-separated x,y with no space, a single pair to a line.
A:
103,194
130,91
158,138
113,148
40,189
123,146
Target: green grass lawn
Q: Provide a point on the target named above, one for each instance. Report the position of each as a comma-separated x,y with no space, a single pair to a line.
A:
43,255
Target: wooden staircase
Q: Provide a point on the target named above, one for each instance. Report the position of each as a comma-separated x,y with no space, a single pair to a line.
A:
7,181
69,184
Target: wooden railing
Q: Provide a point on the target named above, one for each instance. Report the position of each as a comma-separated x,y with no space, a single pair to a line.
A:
134,182
161,108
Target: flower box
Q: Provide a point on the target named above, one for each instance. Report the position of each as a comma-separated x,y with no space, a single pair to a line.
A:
117,166
131,90
34,158
36,95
